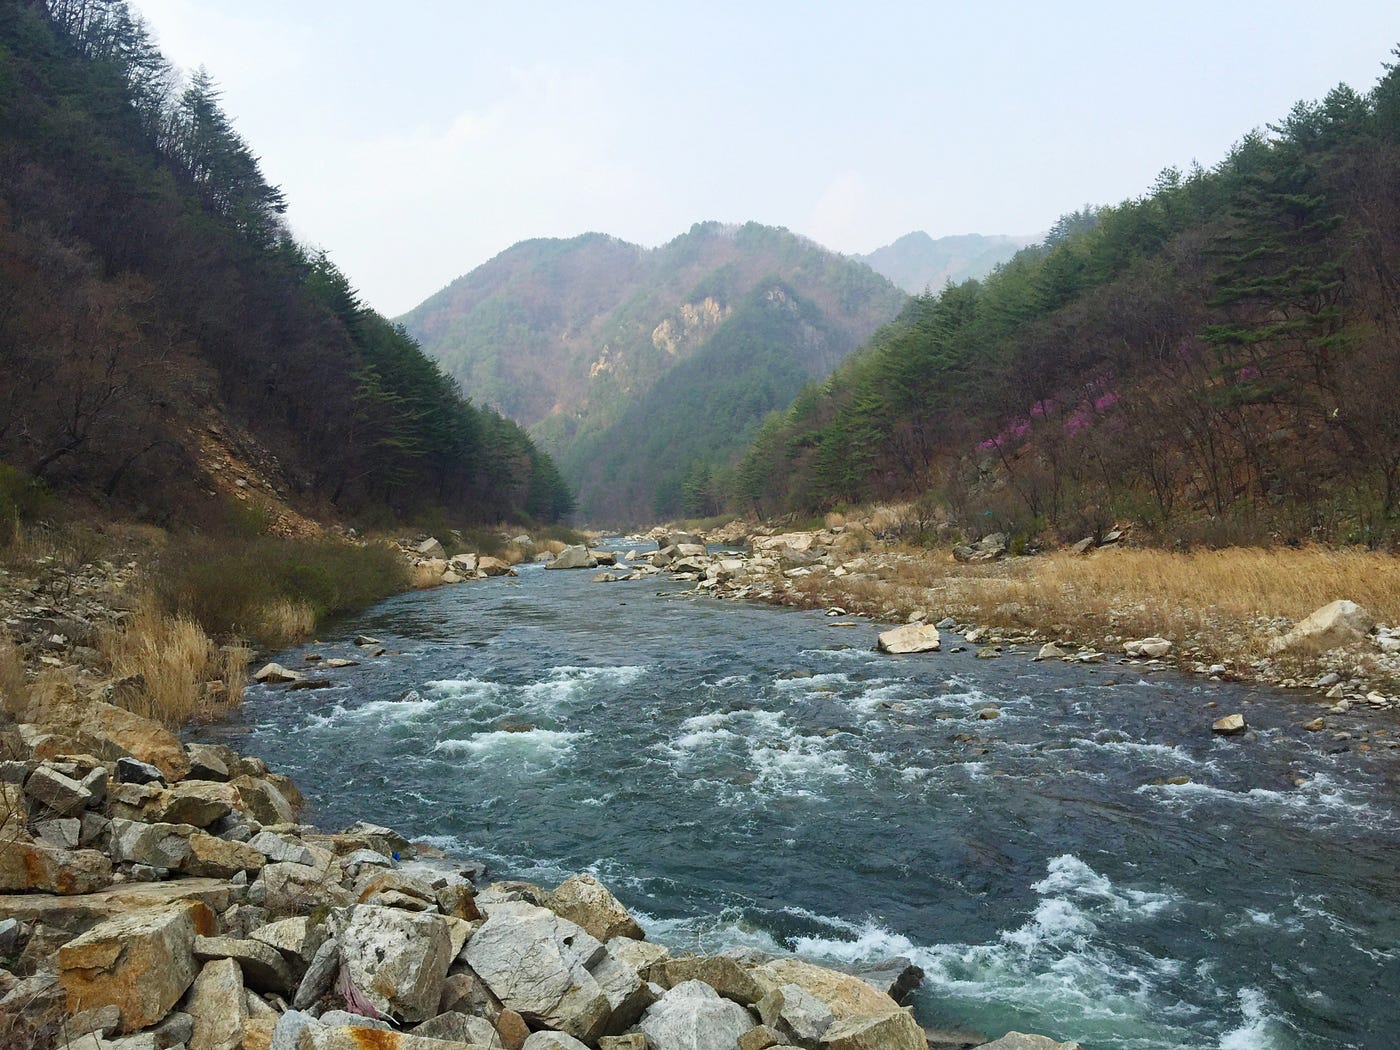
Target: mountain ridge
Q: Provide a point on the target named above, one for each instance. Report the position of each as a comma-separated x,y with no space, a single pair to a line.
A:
563,335
918,262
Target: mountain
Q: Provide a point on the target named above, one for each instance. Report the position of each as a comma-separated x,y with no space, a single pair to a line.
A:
162,334
919,263
1214,361
582,341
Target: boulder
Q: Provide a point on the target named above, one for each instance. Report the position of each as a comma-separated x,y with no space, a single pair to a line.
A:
761,1038
555,1041
1022,1041
297,889
586,901
56,794
264,969
27,867
891,1031
75,914
723,973
112,732
637,956
430,548
463,564
214,857
142,963
460,1028
396,959
844,995
274,673
551,971
1051,651
218,1007
207,762
575,557
493,567
281,849
154,845
795,1013
693,1016
1338,623
262,800
1230,725
196,802
911,638
364,1036
1153,648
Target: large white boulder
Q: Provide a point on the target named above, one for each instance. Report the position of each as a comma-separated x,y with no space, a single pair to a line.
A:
553,972
1337,623
693,1016
575,557
397,959
911,638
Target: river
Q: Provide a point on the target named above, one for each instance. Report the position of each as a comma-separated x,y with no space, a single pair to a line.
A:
746,775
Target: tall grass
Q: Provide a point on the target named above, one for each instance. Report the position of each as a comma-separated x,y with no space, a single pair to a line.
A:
184,676
14,689
269,589
1225,604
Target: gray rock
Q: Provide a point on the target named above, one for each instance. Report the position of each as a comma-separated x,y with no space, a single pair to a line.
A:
795,1013
320,975
911,638
548,970
287,1034
1023,1041
62,833
345,1019
263,967
397,959
154,845
57,794
575,557
280,849
134,771
552,1041
693,1016
459,1028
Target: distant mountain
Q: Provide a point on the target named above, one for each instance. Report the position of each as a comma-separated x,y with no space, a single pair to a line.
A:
917,262
584,340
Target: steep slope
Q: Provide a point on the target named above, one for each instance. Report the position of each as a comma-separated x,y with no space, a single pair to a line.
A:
566,336
1212,361
153,298
919,263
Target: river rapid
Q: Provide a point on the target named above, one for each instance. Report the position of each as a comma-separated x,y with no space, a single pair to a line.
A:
745,775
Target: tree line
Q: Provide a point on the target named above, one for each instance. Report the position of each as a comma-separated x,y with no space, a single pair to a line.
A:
149,284
1215,359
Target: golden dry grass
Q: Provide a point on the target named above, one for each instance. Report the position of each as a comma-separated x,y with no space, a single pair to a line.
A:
184,673
14,690
1225,604
282,622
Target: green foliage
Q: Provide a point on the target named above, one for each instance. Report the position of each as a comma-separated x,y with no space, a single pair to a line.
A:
227,584
151,279
1223,345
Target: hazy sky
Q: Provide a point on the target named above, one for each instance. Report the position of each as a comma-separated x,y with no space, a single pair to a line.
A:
417,140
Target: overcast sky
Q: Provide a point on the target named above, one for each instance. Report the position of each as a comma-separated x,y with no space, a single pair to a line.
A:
416,140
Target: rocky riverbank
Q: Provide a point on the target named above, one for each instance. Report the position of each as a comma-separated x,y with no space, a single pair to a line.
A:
157,895
1339,653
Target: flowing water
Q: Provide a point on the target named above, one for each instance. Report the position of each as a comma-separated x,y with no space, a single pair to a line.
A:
745,775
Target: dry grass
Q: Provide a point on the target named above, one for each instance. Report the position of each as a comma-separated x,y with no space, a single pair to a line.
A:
14,689
283,622
186,676
1224,604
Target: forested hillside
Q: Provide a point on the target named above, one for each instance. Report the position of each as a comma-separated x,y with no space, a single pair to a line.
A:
579,339
1219,358
151,295
920,263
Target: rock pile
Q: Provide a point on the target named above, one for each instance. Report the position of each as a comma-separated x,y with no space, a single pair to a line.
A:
158,896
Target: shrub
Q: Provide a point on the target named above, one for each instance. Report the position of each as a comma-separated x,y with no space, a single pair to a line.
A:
271,589
183,674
